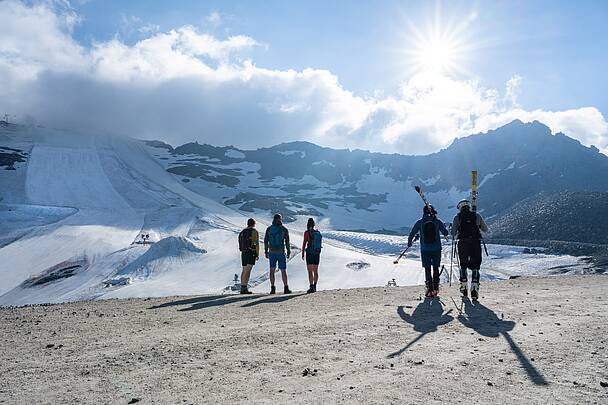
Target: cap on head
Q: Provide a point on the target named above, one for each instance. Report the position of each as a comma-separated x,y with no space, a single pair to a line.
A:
463,203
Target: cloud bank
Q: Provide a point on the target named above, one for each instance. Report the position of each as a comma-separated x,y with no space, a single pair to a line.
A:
186,85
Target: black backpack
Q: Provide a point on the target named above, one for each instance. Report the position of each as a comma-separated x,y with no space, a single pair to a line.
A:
245,241
429,231
468,225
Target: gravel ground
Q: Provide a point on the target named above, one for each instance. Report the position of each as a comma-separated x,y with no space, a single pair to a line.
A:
528,340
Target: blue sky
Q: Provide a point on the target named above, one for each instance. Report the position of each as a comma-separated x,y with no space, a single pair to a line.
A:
558,47
333,72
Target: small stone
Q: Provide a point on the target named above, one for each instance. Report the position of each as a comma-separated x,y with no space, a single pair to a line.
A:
134,400
490,383
49,346
604,384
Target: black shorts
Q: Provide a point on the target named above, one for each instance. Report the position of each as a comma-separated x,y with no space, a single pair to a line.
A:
313,258
248,258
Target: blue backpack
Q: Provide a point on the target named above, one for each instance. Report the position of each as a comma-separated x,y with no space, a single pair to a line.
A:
276,237
315,244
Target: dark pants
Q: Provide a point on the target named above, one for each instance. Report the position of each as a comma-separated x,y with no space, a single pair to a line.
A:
434,281
431,259
469,254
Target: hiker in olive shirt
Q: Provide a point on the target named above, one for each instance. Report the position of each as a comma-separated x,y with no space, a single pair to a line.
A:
276,241
249,245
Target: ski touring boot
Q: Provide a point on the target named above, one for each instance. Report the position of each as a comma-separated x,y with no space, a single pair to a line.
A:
463,289
245,290
273,290
474,291
429,291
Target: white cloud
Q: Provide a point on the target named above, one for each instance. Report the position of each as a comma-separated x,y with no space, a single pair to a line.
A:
185,85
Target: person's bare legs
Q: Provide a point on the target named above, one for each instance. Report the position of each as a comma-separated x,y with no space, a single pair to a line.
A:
245,274
311,276
284,277
315,273
272,269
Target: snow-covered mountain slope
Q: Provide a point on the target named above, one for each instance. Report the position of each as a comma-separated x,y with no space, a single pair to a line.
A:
359,190
75,209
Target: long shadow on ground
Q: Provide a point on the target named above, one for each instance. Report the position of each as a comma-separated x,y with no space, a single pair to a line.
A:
426,318
485,322
272,300
206,301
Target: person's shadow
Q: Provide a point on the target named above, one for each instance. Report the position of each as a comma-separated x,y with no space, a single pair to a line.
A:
485,322
426,318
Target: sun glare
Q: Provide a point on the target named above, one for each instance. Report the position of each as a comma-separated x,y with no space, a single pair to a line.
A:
439,45
436,55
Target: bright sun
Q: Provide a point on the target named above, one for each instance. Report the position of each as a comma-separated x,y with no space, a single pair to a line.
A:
439,46
436,55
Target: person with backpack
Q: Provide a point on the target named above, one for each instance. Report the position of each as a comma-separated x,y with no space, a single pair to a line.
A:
429,227
312,246
276,241
249,245
466,228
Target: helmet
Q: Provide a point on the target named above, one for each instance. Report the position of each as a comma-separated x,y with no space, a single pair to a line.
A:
463,203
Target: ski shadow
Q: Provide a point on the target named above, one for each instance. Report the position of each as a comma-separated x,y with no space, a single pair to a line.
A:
485,322
205,301
272,300
426,318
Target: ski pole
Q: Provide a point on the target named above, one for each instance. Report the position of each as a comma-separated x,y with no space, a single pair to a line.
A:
484,247
451,261
406,249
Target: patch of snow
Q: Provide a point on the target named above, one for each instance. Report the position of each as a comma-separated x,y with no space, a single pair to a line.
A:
488,177
293,152
234,154
323,162
431,181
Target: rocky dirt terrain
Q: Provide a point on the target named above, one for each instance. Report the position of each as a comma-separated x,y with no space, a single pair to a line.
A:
528,340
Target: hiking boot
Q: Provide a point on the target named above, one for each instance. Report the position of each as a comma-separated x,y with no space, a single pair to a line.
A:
429,293
245,290
314,287
311,289
273,290
286,290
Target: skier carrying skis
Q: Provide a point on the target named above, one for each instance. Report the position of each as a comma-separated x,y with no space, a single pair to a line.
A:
429,228
312,247
466,228
276,241
249,245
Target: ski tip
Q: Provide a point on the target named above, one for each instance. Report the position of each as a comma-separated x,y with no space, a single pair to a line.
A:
417,188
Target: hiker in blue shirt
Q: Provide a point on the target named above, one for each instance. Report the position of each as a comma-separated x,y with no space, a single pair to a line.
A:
276,241
429,228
